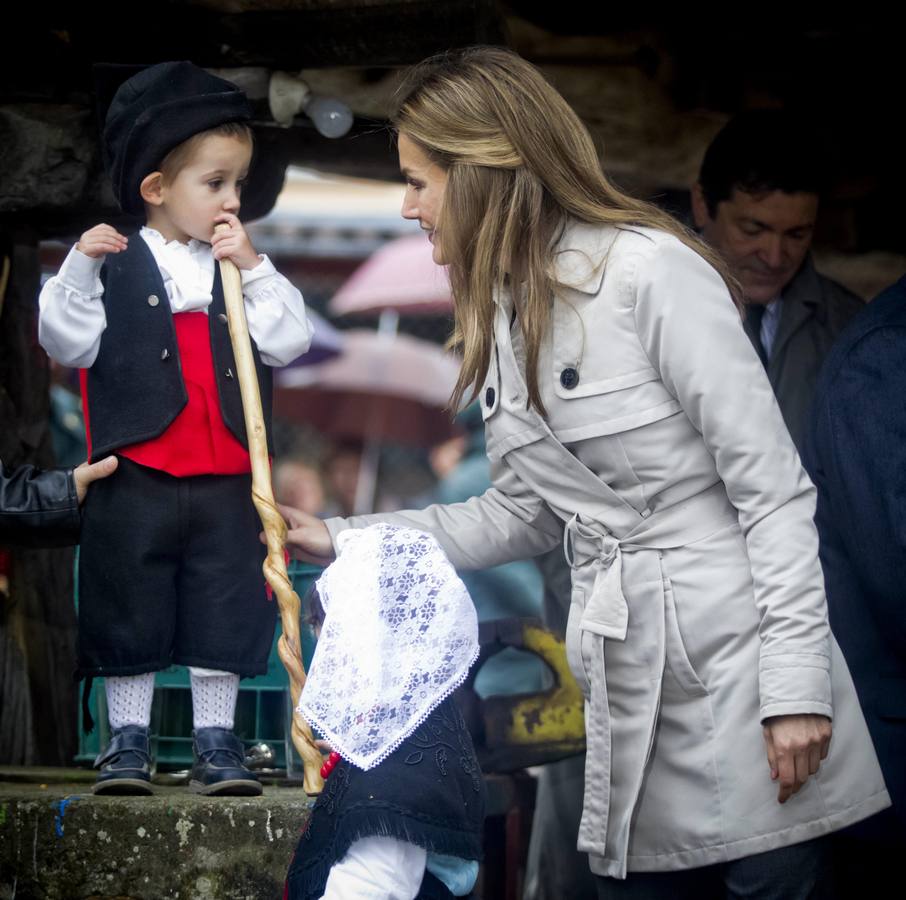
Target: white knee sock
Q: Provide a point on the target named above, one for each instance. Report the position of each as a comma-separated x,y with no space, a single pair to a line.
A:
129,699
213,698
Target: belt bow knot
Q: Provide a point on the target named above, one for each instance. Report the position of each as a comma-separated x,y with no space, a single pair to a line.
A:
590,544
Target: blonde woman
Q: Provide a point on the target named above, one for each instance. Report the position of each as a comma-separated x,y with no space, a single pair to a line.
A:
623,401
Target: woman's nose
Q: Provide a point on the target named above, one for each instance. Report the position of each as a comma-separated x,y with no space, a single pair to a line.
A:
410,207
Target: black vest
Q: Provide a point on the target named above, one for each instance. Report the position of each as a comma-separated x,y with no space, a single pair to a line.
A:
135,386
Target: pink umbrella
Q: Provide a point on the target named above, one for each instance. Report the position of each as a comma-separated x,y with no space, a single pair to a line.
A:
382,388
400,276
326,341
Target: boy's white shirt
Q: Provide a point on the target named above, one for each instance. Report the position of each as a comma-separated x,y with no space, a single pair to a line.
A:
72,317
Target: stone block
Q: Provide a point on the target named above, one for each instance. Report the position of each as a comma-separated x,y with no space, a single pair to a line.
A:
59,841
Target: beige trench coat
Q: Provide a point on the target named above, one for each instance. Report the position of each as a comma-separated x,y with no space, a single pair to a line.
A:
698,605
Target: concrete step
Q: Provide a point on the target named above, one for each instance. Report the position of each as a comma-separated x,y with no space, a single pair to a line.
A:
58,841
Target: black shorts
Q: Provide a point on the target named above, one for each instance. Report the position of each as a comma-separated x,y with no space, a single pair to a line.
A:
170,572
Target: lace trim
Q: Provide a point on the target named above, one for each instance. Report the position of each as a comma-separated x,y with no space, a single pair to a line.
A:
399,636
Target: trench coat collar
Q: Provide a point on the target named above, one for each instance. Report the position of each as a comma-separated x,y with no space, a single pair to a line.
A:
579,259
580,255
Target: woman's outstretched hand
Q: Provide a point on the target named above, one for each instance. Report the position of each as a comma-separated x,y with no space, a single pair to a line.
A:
308,537
796,745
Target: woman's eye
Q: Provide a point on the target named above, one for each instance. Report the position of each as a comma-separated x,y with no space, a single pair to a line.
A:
215,184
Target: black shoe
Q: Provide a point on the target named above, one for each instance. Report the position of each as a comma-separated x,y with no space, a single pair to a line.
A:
220,765
126,763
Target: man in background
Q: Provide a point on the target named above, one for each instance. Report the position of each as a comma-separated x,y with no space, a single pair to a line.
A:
756,202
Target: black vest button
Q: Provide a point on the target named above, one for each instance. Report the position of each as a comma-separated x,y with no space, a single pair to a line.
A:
164,354
153,300
228,373
489,397
569,378
221,317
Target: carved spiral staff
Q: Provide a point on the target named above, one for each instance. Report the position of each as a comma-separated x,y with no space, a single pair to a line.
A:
289,645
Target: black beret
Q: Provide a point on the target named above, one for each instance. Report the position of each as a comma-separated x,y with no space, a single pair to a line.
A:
155,111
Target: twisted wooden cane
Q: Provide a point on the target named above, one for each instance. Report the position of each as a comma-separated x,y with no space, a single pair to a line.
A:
289,645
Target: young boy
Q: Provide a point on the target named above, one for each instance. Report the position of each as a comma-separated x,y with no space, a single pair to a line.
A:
170,567
402,808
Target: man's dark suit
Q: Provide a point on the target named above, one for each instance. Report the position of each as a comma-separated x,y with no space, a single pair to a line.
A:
814,311
855,451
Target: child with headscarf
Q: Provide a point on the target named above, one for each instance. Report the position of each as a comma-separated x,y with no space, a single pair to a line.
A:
403,802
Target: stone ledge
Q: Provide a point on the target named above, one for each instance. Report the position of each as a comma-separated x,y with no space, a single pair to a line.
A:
57,840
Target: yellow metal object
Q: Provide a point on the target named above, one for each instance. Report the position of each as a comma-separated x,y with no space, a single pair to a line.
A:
530,729
557,714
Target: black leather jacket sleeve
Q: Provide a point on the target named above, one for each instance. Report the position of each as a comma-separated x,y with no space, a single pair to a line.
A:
38,508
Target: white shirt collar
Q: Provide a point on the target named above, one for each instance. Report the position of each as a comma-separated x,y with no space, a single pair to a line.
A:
187,270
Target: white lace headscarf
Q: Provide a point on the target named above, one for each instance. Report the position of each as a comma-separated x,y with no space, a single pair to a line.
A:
400,634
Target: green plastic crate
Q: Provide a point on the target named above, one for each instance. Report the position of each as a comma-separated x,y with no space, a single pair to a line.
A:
263,708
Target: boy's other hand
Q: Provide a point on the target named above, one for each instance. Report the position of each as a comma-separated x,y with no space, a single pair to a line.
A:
234,244
101,240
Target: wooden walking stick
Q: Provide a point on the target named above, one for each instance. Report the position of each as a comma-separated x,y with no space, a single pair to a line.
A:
289,645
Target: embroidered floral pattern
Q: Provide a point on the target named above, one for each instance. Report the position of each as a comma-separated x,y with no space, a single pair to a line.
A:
454,743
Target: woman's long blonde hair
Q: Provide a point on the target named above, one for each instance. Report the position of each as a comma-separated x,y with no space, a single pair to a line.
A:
519,163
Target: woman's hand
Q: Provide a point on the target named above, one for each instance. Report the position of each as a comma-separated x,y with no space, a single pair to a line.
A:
85,473
101,240
234,244
796,745
308,537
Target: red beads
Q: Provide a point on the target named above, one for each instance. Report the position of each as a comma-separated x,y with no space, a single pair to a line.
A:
329,766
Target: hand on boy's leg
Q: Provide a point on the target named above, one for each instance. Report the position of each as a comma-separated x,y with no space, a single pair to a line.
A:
101,240
86,472
234,244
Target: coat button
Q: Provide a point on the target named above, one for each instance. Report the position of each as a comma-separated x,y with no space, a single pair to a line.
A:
153,300
228,373
569,378
221,317
489,397
164,354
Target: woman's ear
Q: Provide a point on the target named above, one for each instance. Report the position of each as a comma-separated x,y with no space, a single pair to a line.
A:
151,188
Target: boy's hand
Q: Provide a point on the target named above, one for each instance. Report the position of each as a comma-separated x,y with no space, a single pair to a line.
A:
234,244
101,240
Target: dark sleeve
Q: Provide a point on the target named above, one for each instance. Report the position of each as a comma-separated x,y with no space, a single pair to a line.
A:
38,508
859,462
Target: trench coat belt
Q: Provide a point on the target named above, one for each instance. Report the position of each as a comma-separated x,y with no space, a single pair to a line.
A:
605,616
591,542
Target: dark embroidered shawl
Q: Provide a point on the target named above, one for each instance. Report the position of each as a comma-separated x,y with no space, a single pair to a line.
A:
429,792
